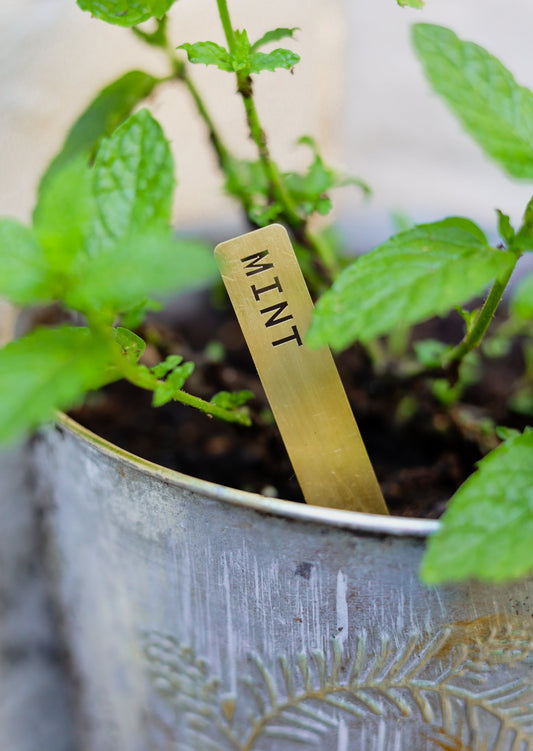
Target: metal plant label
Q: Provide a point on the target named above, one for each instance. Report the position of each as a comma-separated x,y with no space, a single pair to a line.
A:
274,308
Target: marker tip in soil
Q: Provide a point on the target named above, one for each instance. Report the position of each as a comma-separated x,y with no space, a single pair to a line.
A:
273,307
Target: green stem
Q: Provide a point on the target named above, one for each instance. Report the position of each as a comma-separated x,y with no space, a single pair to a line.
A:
132,374
257,134
291,213
220,148
474,336
223,12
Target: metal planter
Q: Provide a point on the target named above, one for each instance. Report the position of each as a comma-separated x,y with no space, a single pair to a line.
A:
201,618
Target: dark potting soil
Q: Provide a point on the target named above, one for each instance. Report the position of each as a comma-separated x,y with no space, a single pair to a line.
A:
420,450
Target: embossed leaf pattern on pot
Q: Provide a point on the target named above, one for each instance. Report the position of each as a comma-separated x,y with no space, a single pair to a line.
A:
439,681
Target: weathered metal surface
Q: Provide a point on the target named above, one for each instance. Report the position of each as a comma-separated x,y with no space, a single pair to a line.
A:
35,700
204,619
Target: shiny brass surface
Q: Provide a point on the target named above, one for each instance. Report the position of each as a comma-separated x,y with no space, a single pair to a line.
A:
274,308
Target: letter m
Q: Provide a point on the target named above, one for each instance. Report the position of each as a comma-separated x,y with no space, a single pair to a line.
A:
254,263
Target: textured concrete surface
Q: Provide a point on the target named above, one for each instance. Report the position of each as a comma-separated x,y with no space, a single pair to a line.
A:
35,707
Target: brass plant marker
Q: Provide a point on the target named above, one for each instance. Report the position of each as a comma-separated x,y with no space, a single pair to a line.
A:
274,308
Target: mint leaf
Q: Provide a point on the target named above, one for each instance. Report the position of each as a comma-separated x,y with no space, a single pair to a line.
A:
64,212
245,59
47,370
279,58
234,402
411,3
241,59
492,107
147,263
487,529
505,228
134,316
126,12
169,363
208,53
274,36
103,115
232,399
133,182
521,304
131,345
417,274
310,189
523,239
24,271
429,352
165,391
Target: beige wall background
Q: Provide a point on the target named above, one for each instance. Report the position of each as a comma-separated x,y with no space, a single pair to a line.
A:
359,90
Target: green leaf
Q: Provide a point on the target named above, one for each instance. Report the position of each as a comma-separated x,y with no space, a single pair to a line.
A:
134,316
492,107
245,59
179,375
505,228
131,345
415,275
522,400
429,352
103,115
169,363
147,263
165,391
521,304
310,189
64,212
241,59
232,400
487,529
47,370
208,53
126,12
274,36
279,58
24,270
523,239
411,3
133,182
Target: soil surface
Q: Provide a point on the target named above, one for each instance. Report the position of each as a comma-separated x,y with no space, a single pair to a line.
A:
421,451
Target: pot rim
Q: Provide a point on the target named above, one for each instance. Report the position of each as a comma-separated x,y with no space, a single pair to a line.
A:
373,524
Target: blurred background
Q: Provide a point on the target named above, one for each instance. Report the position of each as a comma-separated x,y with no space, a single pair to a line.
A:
359,90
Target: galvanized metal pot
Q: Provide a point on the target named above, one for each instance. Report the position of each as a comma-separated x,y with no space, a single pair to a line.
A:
201,618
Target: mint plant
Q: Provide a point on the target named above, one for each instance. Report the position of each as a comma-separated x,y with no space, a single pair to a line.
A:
100,241
101,245
433,268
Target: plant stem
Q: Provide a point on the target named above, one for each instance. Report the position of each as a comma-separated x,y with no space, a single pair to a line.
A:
223,12
474,336
291,213
132,374
279,190
220,148
144,379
